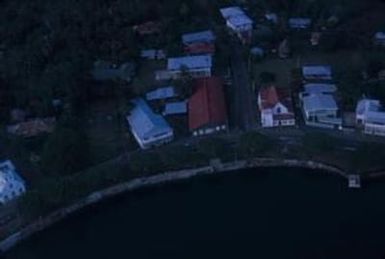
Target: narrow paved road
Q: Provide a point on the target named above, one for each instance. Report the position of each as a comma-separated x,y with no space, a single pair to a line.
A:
244,110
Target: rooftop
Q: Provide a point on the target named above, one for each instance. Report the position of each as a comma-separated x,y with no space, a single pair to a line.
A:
144,122
190,62
271,96
207,105
236,16
317,71
161,93
319,88
198,37
319,102
175,108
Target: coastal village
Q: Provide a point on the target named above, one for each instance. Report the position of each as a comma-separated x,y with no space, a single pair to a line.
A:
244,71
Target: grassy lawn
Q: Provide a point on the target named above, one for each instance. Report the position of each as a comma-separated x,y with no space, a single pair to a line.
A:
108,134
145,79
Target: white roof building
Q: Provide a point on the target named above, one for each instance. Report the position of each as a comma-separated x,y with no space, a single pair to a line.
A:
11,184
238,21
198,37
161,93
371,114
317,72
148,128
197,66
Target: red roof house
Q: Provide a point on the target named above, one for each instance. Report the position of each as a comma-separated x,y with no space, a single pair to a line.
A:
276,107
207,108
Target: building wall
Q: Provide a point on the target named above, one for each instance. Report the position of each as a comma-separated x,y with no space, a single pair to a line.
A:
196,73
154,142
374,129
209,130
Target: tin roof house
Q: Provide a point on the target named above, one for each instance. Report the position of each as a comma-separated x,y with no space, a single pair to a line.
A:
148,128
238,22
370,115
319,106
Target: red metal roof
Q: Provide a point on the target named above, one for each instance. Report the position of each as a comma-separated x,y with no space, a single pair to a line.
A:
199,48
271,95
207,104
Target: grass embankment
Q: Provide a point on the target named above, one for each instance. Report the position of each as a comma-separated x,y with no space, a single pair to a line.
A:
56,192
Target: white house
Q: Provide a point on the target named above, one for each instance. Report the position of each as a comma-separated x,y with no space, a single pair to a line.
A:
299,23
276,107
371,116
197,66
148,128
11,184
238,22
317,72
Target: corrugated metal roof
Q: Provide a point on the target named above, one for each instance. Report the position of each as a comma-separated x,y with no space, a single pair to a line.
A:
236,16
231,11
175,108
144,122
161,93
319,102
320,88
197,37
207,105
191,62
317,71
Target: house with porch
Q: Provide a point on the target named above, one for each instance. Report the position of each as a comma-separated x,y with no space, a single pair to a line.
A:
370,116
276,107
149,129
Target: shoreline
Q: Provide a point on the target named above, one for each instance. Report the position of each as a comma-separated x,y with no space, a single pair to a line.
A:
215,167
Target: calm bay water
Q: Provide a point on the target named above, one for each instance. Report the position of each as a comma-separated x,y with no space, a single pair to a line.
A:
265,213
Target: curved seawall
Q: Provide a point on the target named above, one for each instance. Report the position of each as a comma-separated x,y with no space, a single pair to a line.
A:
214,167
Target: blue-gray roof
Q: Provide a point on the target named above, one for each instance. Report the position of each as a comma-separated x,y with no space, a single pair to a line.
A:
319,102
144,122
236,16
175,108
319,88
299,22
323,72
190,62
161,93
198,37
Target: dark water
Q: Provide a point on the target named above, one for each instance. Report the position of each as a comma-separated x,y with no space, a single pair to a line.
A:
276,213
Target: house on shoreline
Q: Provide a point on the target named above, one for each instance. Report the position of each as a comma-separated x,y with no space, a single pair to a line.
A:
149,129
370,116
276,107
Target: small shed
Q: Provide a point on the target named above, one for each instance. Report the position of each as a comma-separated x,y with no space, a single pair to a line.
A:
175,108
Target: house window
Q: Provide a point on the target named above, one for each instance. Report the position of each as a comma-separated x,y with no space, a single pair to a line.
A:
279,110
